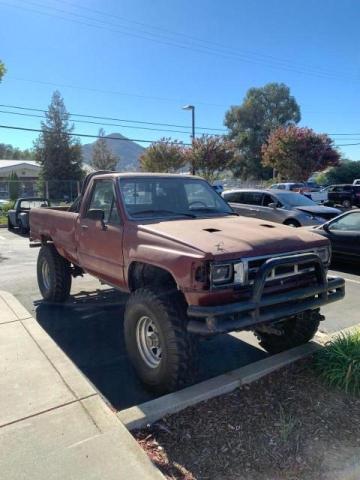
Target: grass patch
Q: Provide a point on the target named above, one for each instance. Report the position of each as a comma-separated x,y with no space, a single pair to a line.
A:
339,362
3,219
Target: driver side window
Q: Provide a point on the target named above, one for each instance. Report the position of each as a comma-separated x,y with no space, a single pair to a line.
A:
103,198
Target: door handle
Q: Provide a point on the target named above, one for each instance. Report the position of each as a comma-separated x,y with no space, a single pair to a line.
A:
84,227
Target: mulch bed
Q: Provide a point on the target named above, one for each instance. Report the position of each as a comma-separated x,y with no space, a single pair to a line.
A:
288,425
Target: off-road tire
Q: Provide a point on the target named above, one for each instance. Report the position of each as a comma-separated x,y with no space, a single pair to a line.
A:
178,363
9,224
59,278
296,331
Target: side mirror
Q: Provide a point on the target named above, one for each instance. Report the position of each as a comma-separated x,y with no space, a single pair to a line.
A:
326,227
98,215
272,205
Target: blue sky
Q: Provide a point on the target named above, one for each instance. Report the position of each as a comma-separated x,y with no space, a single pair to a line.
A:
141,60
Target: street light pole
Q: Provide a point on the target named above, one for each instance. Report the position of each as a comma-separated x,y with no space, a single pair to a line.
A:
192,108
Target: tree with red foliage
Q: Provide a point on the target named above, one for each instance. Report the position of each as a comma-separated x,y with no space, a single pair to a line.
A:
295,153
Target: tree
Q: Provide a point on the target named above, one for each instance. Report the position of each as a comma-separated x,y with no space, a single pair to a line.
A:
14,186
345,172
102,156
9,152
58,153
163,156
2,70
211,155
296,153
262,111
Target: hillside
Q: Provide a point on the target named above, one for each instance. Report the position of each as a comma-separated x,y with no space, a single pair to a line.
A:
129,152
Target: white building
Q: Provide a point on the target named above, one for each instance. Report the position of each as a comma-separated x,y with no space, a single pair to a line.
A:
27,172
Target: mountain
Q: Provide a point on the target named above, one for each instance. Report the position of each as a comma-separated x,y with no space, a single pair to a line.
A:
128,151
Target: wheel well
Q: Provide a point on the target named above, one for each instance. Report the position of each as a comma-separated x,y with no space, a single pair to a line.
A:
145,275
292,220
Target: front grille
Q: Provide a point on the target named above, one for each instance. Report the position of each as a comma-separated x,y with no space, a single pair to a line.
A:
278,273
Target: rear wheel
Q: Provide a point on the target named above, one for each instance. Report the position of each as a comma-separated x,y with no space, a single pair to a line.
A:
346,203
293,332
53,275
161,350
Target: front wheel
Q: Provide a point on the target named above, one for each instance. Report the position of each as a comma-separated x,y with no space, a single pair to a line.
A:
293,332
161,350
346,203
53,274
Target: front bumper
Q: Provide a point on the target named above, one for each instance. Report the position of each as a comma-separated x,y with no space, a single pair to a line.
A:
268,308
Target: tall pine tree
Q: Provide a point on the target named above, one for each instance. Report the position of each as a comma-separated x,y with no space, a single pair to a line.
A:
58,152
102,157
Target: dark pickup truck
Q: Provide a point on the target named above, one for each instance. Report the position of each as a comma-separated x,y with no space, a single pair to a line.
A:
192,267
18,217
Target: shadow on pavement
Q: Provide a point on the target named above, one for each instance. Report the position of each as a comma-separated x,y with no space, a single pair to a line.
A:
88,328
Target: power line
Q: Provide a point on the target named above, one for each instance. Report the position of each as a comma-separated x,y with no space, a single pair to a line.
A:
117,119
11,127
97,123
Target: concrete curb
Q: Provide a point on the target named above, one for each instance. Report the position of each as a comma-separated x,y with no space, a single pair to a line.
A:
149,412
112,436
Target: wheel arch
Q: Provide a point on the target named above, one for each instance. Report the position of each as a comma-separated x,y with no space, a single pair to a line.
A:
143,274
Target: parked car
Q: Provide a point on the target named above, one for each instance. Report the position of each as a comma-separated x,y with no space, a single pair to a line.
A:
319,196
344,235
191,265
289,208
290,186
18,217
346,195
356,181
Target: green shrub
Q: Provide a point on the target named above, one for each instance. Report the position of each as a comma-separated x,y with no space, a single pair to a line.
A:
8,206
339,362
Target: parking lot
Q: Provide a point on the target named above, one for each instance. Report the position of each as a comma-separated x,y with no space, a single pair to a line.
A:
88,328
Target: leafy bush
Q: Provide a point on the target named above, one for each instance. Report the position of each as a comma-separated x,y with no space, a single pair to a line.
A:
339,362
6,207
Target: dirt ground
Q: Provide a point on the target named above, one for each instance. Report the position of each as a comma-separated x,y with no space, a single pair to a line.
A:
288,425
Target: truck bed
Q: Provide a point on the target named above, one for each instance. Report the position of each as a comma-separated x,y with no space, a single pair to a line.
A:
58,225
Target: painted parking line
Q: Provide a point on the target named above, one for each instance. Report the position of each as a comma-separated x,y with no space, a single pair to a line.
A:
2,238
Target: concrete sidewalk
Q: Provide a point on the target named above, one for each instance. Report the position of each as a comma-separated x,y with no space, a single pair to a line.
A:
53,424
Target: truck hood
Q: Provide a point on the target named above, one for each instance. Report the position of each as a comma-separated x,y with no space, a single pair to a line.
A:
233,237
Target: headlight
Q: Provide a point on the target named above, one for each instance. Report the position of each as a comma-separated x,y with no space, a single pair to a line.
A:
324,254
222,273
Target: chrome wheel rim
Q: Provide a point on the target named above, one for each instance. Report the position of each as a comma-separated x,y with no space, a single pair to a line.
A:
45,273
148,341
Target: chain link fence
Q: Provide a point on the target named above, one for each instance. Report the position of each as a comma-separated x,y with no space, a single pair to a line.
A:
58,192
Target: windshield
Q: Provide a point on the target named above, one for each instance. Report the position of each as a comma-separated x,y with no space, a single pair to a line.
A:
171,197
295,200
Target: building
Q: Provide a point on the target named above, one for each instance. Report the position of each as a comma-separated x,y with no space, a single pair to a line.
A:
27,172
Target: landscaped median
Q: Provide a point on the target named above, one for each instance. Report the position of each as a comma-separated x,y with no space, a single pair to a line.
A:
299,422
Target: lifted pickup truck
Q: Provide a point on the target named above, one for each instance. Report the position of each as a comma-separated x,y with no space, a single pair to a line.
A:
192,267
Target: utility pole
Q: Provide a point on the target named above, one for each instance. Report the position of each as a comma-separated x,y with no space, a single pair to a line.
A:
192,108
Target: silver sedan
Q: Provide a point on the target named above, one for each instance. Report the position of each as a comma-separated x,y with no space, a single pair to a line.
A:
279,206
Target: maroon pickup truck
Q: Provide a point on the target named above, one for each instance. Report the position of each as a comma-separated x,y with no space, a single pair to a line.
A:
192,267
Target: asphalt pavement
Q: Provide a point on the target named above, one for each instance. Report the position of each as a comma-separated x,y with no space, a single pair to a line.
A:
88,328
